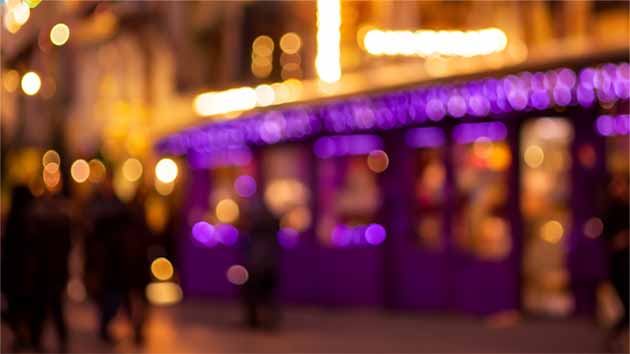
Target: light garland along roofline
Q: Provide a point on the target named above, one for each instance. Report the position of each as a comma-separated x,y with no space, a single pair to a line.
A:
491,97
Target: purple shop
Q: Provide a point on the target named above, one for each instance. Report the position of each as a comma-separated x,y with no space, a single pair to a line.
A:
473,195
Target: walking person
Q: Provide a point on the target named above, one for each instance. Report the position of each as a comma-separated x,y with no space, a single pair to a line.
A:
262,256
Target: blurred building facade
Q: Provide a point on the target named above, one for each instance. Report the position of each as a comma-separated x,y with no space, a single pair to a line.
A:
470,229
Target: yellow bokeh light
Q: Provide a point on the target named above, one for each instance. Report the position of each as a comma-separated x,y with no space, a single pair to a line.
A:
132,169
281,92
427,43
51,167
166,170
163,293
237,99
378,161
534,156
156,213
97,171
500,158
298,219
164,188
11,80
162,269
123,188
21,12
9,22
80,171
261,71
290,43
227,211
264,95
263,46
51,179
552,231
59,34
51,156
31,83
328,59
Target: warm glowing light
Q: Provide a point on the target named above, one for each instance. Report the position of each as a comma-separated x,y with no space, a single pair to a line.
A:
156,213
593,228
261,70
132,169
281,92
51,178
227,211
97,171
51,156
245,98
237,274
552,231
238,99
378,161
298,219
290,43
9,22
327,61
263,46
124,189
31,83
11,80
295,87
164,188
21,13
80,171
59,34
166,170
163,293
51,167
426,43
534,156
162,269
282,194
264,95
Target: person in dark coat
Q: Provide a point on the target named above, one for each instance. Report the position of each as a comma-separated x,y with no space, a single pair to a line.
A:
17,267
617,235
50,235
262,256
116,269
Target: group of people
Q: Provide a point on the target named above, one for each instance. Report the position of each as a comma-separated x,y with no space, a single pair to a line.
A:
39,235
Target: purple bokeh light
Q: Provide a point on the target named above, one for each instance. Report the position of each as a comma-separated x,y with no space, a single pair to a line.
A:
207,145
245,186
288,238
226,234
343,145
204,233
375,234
470,132
425,137
607,125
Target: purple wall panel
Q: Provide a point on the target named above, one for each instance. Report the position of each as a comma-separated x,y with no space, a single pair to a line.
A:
202,270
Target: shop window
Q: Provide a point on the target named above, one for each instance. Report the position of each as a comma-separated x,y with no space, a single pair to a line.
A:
429,182
348,190
286,192
545,187
482,159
